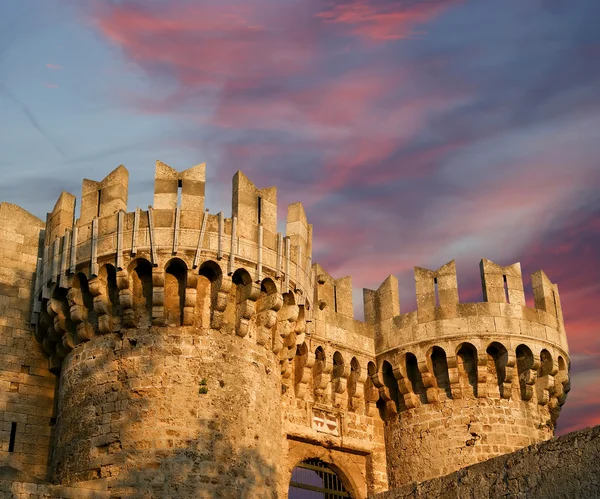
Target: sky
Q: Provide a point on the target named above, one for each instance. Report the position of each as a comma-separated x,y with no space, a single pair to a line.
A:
414,132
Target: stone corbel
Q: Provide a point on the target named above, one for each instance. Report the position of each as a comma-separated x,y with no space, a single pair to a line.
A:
217,318
304,375
322,377
189,305
286,324
339,385
384,393
527,380
79,315
158,296
102,305
453,377
509,374
125,299
356,390
250,293
482,374
266,318
410,398
545,385
429,382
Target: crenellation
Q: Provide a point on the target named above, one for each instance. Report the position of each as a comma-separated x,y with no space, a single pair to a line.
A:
502,284
158,320
61,218
382,305
104,198
436,289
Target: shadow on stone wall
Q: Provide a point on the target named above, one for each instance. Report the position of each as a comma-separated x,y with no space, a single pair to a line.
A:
160,444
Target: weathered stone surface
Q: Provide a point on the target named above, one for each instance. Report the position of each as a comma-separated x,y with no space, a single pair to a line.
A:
563,467
210,359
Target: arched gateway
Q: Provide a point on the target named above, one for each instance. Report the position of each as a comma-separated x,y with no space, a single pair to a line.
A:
314,479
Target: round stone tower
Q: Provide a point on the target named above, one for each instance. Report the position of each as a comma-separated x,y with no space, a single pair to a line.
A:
170,329
460,383
191,361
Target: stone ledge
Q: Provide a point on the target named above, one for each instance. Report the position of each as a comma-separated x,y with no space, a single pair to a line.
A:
566,466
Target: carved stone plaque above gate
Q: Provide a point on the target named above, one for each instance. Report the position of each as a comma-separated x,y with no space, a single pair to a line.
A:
325,422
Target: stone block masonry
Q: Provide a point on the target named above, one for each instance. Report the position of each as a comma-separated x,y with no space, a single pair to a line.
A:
173,352
564,467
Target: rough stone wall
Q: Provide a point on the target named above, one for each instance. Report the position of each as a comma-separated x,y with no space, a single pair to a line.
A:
564,467
462,382
170,412
203,356
26,384
18,487
434,440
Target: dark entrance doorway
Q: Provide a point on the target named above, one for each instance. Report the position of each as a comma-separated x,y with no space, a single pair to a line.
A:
314,479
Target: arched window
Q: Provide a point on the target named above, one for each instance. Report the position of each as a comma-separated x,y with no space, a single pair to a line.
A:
525,363
141,277
439,362
497,360
415,377
209,278
175,282
467,369
314,479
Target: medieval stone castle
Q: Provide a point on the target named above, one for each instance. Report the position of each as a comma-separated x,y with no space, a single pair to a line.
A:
172,352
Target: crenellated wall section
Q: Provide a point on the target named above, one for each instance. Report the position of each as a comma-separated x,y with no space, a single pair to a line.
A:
187,340
95,257
462,382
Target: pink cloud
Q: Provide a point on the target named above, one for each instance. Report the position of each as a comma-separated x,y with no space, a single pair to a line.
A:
53,66
50,85
384,20
208,42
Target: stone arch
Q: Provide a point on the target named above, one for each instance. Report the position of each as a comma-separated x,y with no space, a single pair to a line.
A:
390,382
562,365
497,361
268,286
546,363
339,378
140,275
81,304
241,277
109,274
60,326
338,364
321,371
353,379
343,464
80,283
414,376
466,361
175,284
300,360
526,371
371,392
107,306
562,380
210,276
439,368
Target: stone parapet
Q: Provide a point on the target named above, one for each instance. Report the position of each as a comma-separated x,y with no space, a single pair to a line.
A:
461,382
564,467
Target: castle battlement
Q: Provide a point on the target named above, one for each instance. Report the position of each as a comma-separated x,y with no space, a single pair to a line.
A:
174,335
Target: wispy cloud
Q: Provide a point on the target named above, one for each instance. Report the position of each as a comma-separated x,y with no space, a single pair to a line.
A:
53,66
384,19
31,118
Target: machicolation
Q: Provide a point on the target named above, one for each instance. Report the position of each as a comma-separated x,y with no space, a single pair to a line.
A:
181,353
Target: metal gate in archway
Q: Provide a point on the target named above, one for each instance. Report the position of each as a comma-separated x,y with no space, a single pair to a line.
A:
314,479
